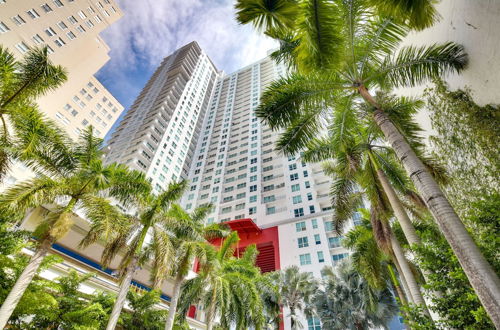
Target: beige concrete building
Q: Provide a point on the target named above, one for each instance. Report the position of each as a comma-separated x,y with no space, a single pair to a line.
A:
70,28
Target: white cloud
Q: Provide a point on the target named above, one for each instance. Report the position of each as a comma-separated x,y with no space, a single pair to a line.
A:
152,29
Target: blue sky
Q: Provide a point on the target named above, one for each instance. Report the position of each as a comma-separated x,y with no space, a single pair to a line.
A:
152,29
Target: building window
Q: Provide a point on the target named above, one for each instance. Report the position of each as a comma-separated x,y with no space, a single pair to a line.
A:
18,20
297,199
337,257
313,323
62,25
37,39
4,28
312,209
253,199
305,259
72,36
22,47
295,187
292,167
314,223
253,188
58,3
33,13
252,210
46,8
334,242
317,239
271,210
298,212
308,185
303,242
306,174
329,226
294,177
72,20
309,196
321,257
50,32
300,226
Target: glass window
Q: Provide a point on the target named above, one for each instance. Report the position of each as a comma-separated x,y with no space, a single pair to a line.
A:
298,212
317,239
334,242
321,257
297,199
312,209
305,259
303,242
294,177
295,187
300,226
253,199
314,223
313,323
271,210
337,257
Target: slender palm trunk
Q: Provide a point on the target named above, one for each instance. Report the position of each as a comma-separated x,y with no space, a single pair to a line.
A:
411,281
481,275
404,284
122,295
173,303
396,285
22,283
403,218
210,316
292,319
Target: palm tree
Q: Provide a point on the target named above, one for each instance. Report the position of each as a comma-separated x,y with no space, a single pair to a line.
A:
20,84
230,287
297,291
369,260
348,302
346,52
77,181
272,14
189,240
138,238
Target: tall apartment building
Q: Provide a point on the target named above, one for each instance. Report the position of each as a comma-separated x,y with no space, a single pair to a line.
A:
193,122
236,167
158,135
70,29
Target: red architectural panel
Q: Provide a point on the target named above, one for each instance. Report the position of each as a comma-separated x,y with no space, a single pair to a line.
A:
266,240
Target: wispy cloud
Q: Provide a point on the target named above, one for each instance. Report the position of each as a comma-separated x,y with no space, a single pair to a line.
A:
152,29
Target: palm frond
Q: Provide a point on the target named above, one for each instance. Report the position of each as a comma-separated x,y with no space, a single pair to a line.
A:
416,65
266,14
317,29
419,14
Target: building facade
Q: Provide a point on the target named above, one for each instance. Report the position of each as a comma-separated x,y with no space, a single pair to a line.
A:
237,169
159,132
191,121
70,29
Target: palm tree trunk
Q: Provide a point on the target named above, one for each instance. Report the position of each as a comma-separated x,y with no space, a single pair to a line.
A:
396,285
210,316
22,283
403,282
408,274
403,219
481,275
122,295
173,303
292,319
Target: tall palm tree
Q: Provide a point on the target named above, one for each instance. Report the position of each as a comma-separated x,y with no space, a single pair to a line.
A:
347,52
297,291
21,82
76,181
189,240
139,238
348,302
229,287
